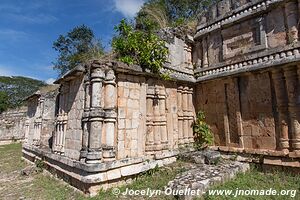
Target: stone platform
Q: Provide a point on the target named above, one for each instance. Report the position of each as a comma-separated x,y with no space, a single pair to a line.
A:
90,178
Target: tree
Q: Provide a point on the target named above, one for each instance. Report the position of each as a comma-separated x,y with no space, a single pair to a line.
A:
4,101
164,13
77,46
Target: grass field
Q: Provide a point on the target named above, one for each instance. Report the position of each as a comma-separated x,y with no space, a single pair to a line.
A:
42,186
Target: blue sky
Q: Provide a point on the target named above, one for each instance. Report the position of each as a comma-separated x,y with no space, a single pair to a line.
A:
29,27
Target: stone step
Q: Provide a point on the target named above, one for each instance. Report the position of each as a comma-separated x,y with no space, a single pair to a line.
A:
202,176
201,157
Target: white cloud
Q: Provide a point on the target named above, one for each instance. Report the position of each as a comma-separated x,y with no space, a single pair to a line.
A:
128,7
30,19
50,81
12,34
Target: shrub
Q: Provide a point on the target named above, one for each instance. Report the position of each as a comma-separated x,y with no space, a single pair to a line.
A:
143,48
202,133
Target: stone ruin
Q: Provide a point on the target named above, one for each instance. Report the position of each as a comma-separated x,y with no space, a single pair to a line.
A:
39,123
12,124
112,121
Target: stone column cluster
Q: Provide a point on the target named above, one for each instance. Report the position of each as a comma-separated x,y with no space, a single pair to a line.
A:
287,90
61,121
37,126
157,136
185,114
99,118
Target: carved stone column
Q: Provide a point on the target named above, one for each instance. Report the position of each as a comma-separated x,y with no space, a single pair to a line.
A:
149,120
204,53
282,109
96,115
180,115
291,11
163,119
110,115
191,114
156,120
292,85
85,118
27,130
63,132
185,115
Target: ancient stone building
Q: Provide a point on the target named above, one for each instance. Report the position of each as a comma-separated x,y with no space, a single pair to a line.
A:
12,124
39,124
246,55
113,121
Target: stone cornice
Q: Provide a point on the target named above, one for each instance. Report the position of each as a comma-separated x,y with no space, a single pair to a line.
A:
288,55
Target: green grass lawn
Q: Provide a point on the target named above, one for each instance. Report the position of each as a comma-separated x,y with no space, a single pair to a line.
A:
44,186
256,180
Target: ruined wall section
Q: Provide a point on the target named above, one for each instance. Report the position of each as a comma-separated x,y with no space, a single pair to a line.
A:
39,123
240,111
73,92
131,116
12,125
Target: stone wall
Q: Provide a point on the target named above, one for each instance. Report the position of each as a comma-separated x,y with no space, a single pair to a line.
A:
240,111
247,77
39,123
73,92
12,125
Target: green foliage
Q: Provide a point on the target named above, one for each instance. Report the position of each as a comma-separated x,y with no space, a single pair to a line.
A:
164,13
40,165
202,133
143,48
4,101
77,46
14,89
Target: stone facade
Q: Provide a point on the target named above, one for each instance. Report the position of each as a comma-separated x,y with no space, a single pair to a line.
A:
113,121
247,75
12,125
39,124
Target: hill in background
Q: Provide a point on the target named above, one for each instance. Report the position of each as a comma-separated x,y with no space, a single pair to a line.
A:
15,88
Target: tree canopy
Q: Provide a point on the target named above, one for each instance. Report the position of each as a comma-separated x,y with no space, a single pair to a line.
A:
163,13
77,46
